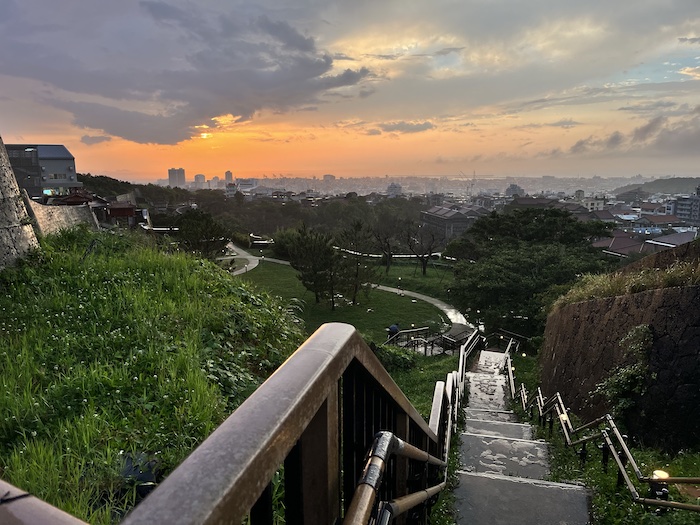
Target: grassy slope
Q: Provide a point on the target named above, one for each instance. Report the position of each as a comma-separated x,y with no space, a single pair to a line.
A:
109,349
370,317
612,505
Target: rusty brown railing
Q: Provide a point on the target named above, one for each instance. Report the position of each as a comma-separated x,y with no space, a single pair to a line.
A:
552,409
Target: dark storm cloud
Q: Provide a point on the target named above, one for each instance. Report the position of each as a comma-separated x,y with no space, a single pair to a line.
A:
286,35
187,66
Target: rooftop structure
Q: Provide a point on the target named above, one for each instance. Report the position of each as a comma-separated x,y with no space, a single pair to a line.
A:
43,170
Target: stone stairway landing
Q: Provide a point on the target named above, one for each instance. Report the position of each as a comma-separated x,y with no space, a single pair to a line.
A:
502,478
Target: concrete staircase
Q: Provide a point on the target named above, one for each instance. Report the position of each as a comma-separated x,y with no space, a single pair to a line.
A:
502,481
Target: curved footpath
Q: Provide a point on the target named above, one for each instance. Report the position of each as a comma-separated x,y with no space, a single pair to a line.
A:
459,322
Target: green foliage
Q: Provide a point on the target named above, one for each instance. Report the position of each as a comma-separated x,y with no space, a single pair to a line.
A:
111,347
396,358
627,383
418,381
518,261
285,241
201,234
612,504
591,287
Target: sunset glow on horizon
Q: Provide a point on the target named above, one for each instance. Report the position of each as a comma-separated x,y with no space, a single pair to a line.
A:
398,88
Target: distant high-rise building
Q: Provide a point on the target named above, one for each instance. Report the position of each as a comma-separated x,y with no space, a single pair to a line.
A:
199,181
176,177
229,176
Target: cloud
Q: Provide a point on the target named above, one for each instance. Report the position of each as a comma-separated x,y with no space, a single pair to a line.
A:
646,107
372,132
91,140
693,72
649,130
448,51
187,65
614,141
566,123
691,40
406,127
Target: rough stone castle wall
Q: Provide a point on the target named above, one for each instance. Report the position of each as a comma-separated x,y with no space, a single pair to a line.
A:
17,237
582,348
51,219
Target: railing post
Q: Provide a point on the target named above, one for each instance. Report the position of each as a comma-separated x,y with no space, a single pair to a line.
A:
401,483
312,490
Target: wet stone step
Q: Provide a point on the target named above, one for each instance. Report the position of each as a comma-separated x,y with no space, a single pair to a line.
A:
487,391
504,456
483,499
490,415
499,428
490,362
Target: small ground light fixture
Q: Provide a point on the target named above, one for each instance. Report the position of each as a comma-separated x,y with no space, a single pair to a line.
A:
658,488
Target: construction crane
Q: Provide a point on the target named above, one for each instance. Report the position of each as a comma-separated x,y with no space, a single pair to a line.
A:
470,184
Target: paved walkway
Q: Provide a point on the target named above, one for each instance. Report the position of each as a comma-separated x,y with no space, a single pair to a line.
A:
459,322
503,470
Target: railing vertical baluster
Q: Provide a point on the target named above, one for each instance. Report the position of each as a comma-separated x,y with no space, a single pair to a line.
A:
261,513
352,432
310,474
401,480
293,486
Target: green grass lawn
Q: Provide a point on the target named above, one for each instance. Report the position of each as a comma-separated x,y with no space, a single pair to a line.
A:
371,316
408,275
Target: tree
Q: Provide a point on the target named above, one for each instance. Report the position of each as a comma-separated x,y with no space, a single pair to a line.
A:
517,260
311,256
422,242
355,243
200,233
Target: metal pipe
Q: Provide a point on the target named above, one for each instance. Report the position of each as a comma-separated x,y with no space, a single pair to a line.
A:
626,450
406,503
586,439
590,424
620,466
670,504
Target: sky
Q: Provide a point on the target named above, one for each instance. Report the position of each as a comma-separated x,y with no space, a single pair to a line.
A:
269,88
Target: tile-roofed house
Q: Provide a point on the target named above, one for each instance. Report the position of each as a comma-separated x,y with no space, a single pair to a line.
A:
668,241
451,221
621,244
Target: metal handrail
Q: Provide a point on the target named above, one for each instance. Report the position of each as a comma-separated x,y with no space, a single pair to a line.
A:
299,403
547,406
316,416
405,334
385,445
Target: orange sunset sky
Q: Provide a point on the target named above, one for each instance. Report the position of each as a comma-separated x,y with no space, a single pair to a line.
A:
361,88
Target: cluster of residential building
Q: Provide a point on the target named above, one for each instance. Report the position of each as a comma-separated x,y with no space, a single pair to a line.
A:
642,222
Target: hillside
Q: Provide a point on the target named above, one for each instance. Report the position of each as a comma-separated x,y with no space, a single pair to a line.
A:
675,185
117,353
627,343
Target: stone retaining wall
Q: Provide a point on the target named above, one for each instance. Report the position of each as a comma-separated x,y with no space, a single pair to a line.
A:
582,348
51,219
17,237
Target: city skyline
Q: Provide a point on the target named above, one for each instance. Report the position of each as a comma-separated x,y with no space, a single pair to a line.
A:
498,88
